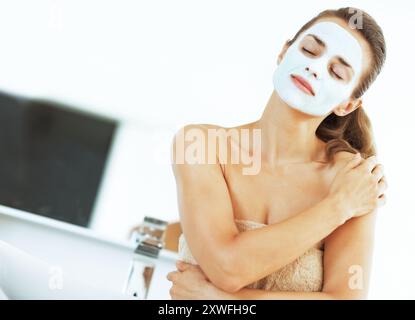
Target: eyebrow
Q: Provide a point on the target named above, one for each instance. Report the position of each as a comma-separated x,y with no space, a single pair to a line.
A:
318,40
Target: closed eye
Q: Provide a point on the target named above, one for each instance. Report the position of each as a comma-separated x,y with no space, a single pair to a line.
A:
335,74
309,52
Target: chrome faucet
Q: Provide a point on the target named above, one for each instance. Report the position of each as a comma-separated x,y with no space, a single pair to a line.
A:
149,238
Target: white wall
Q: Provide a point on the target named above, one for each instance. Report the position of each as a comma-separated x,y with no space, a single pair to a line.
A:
157,65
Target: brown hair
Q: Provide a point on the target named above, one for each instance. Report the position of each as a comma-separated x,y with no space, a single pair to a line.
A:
352,132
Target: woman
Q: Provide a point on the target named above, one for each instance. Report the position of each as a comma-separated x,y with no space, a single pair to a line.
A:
302,226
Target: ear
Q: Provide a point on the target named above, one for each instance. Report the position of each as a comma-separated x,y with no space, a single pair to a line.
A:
347,107
283,51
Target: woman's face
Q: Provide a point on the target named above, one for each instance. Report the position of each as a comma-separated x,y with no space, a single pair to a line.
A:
320,70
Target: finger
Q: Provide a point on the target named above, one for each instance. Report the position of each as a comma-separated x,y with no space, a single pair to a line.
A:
182,266
354,161
382,186
172,276
370,163
378,172
381,201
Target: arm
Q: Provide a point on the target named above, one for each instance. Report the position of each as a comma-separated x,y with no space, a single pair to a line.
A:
208,224
347,263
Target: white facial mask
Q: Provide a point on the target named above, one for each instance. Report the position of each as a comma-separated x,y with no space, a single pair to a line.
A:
329,92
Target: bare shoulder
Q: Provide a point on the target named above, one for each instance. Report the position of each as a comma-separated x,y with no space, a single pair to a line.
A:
192,150
186,134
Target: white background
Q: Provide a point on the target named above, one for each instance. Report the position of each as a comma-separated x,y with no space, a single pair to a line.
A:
157,65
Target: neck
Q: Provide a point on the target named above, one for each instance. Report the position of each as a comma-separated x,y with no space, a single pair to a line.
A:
288,136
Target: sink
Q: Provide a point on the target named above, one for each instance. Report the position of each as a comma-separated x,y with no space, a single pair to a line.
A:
41,258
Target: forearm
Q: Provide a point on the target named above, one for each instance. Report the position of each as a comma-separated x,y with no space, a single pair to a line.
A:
259,252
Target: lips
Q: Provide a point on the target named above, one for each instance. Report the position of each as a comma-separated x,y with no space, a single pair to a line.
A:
302,84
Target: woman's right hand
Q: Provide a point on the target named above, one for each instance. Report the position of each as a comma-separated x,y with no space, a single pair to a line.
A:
359,187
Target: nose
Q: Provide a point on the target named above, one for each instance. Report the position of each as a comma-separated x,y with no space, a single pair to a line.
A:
313,73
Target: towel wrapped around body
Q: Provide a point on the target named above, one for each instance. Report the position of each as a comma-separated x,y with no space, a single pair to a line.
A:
305,274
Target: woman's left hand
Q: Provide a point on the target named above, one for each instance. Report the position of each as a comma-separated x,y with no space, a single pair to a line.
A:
190,283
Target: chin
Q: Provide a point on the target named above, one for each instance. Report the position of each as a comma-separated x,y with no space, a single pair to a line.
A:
308,115
302,112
